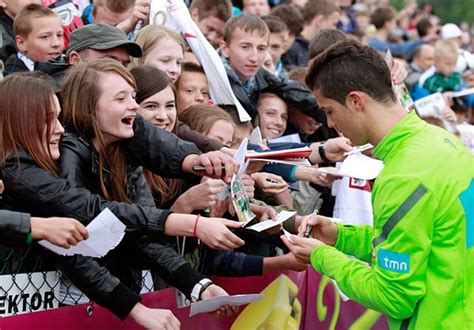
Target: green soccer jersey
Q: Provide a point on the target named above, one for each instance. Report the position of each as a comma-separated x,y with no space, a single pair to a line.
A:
421,247
439,83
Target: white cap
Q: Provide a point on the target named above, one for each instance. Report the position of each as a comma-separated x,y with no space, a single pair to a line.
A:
358,7
450,31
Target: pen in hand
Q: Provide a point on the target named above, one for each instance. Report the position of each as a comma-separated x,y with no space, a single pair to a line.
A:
198,168
272,180
309,228
276,181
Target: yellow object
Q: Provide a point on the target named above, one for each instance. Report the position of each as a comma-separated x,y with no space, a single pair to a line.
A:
279,308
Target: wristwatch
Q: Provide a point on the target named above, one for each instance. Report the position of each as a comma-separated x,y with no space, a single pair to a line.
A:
322,153
199,288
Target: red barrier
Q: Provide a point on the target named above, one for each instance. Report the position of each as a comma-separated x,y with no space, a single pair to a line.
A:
292,300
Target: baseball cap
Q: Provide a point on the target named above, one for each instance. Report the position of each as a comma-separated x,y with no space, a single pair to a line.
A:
450,30
101,37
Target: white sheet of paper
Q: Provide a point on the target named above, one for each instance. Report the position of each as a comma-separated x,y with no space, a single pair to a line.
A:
464,92
175,14
239,155
431,105
294,138
264,225
105,233
212,304
288,235
358,166
256,136
466,131
239,158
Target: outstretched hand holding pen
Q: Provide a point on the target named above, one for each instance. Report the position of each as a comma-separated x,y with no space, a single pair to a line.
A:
323,232
309,228
323,229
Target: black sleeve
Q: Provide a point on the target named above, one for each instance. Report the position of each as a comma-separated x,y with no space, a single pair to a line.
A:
171,267
296,95
204,143
158,150
40,193
230,263
14,228
98,284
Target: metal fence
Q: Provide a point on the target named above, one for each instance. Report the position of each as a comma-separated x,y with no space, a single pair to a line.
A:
29,282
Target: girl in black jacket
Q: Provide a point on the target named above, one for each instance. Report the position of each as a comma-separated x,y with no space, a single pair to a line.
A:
30,134
99,107
32,186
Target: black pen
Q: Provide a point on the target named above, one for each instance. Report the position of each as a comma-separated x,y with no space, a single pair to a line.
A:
272,180
292,188
309,228
197,168
276,181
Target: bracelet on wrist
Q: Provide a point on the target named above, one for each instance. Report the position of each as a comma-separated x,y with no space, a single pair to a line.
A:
204,287
29,239
195,226
199,288
322,153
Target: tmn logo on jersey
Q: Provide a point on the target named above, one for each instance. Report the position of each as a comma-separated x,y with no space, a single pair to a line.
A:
393,261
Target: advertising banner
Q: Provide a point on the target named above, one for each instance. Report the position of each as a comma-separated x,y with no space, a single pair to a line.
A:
292,300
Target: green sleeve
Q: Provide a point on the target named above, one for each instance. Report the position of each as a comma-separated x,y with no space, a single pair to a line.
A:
393,290
355,240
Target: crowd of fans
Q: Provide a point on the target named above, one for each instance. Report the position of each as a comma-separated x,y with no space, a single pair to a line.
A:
111,111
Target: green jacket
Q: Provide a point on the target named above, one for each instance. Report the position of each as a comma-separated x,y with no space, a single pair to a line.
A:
439,83
422,244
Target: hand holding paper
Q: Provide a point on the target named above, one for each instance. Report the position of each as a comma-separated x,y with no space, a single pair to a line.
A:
301,247
358,166
105,233
212,304
267,224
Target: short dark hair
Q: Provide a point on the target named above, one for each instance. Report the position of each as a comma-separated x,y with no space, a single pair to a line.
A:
150,81
313,8
298,74
423,26
325,39
115,6
382,15
23,23
189,67
222,9
247,23
350,66
291,15
192,67
275,24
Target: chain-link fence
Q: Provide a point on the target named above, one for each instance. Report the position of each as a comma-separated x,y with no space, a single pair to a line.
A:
29,282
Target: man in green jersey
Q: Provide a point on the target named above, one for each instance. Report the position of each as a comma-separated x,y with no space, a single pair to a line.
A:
421,246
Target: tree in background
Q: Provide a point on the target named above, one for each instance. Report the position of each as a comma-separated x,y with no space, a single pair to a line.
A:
450,11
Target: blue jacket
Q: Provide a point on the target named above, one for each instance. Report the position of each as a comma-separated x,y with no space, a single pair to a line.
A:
406,49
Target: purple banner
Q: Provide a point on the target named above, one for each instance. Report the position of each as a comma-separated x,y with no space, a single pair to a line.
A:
292,300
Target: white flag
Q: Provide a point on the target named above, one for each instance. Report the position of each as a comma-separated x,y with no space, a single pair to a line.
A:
175,15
